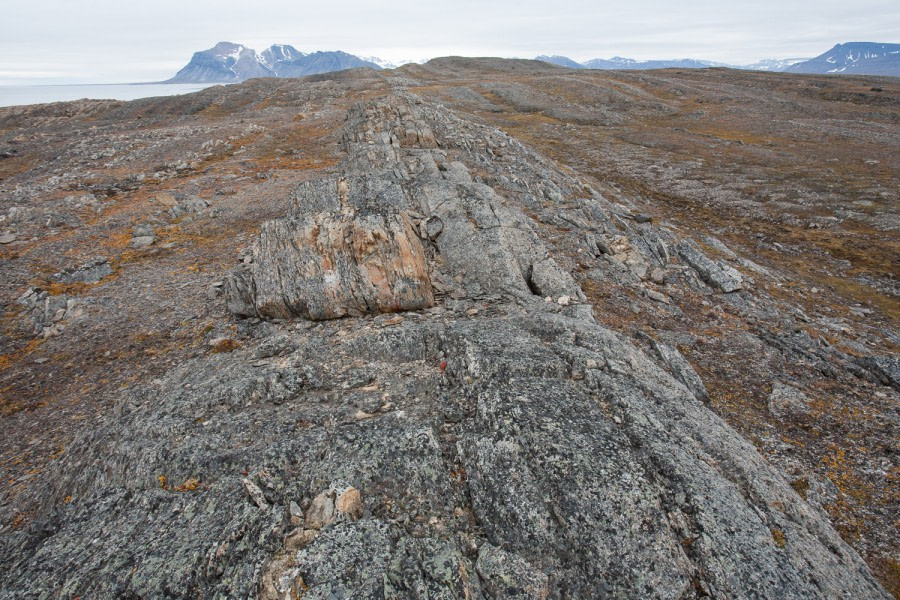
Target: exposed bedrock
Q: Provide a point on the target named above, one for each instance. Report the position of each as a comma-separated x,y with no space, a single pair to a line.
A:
547,457
486,443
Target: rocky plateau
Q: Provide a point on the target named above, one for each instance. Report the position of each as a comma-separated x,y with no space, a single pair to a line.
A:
477,328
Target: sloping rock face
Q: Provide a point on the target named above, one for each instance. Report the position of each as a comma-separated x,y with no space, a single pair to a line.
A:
494,445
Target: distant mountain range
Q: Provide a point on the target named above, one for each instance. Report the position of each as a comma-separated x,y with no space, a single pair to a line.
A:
773,64
230,63
227,62
386,64
860,58
617,62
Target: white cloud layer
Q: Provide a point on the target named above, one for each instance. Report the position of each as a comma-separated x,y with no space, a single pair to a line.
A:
114,41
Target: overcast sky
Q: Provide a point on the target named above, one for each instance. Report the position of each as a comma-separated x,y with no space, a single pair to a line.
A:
68,41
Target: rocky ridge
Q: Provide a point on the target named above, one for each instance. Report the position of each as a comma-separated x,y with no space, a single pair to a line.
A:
491,439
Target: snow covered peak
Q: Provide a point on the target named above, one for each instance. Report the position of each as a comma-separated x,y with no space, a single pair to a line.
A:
227,62
281,53
860,58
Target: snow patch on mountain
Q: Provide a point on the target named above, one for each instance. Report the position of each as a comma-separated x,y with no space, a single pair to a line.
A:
388,64
774,65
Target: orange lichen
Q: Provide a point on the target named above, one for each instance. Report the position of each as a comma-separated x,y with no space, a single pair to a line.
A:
189,485
779,538
228,345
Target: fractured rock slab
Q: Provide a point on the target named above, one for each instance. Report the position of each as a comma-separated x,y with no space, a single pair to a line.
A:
329,266
716,274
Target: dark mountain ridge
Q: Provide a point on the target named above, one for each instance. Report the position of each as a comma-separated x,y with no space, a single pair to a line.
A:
857,58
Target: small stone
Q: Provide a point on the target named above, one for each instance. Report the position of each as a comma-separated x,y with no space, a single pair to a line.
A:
142,231
350,504
786,401
563,300
299,538
321,511
656,296
144,241
472,312
256,495
166,200
7,238
433,228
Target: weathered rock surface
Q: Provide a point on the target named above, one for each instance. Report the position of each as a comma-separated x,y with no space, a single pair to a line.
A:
48,313
484,444
787,402
328,266
715,273
90,272
586,485
886,369
680,368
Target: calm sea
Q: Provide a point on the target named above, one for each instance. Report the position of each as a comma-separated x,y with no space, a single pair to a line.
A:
13,95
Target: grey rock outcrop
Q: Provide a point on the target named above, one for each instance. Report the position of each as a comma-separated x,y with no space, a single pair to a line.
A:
715,273
354,245
787,402
680,368
90,272
48,313
886,369
513,449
